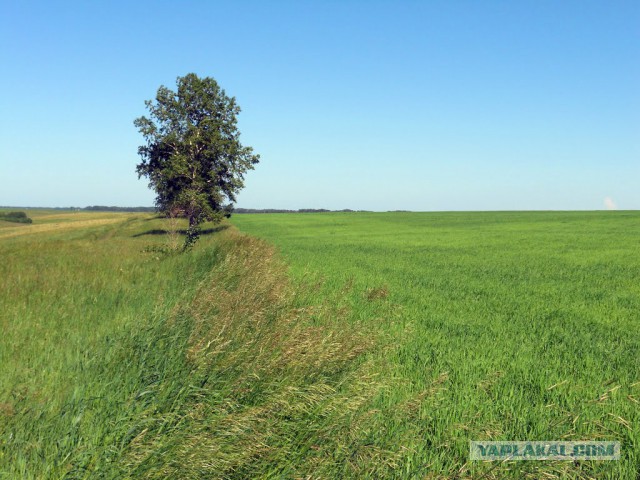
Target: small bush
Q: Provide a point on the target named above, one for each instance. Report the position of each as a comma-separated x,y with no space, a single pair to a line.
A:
18,217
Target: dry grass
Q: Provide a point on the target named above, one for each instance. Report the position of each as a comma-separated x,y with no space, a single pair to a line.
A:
378,293
290,395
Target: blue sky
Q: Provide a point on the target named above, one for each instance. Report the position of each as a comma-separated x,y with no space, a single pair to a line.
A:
434,105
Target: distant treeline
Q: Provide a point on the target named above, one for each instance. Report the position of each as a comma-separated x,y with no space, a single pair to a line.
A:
19,217
92,208
301,210
105,208
102,208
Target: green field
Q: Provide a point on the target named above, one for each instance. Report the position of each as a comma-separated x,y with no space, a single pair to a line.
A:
502,326
365,345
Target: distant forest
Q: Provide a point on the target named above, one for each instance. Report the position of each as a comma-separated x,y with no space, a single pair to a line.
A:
99,208
93,208
104,208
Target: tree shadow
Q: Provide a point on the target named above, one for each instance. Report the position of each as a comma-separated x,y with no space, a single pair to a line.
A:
161,231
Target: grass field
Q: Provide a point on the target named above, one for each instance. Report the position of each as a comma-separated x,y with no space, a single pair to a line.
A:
502,326
119,359
378,350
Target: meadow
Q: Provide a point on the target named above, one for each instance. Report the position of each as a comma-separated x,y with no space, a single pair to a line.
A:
338,345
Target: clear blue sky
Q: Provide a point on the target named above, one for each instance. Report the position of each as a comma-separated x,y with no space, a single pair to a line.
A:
433,105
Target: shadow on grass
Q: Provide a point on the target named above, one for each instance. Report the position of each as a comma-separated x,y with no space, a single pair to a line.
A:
161,231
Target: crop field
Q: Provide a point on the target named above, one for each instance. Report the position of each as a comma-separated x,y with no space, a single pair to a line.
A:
496,326
338,345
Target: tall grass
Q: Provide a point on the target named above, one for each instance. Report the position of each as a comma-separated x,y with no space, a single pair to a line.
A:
120,361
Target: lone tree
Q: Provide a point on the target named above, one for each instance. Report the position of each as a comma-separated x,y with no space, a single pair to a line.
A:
193,157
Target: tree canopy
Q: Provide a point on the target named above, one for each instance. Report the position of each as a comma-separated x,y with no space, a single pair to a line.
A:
193,157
